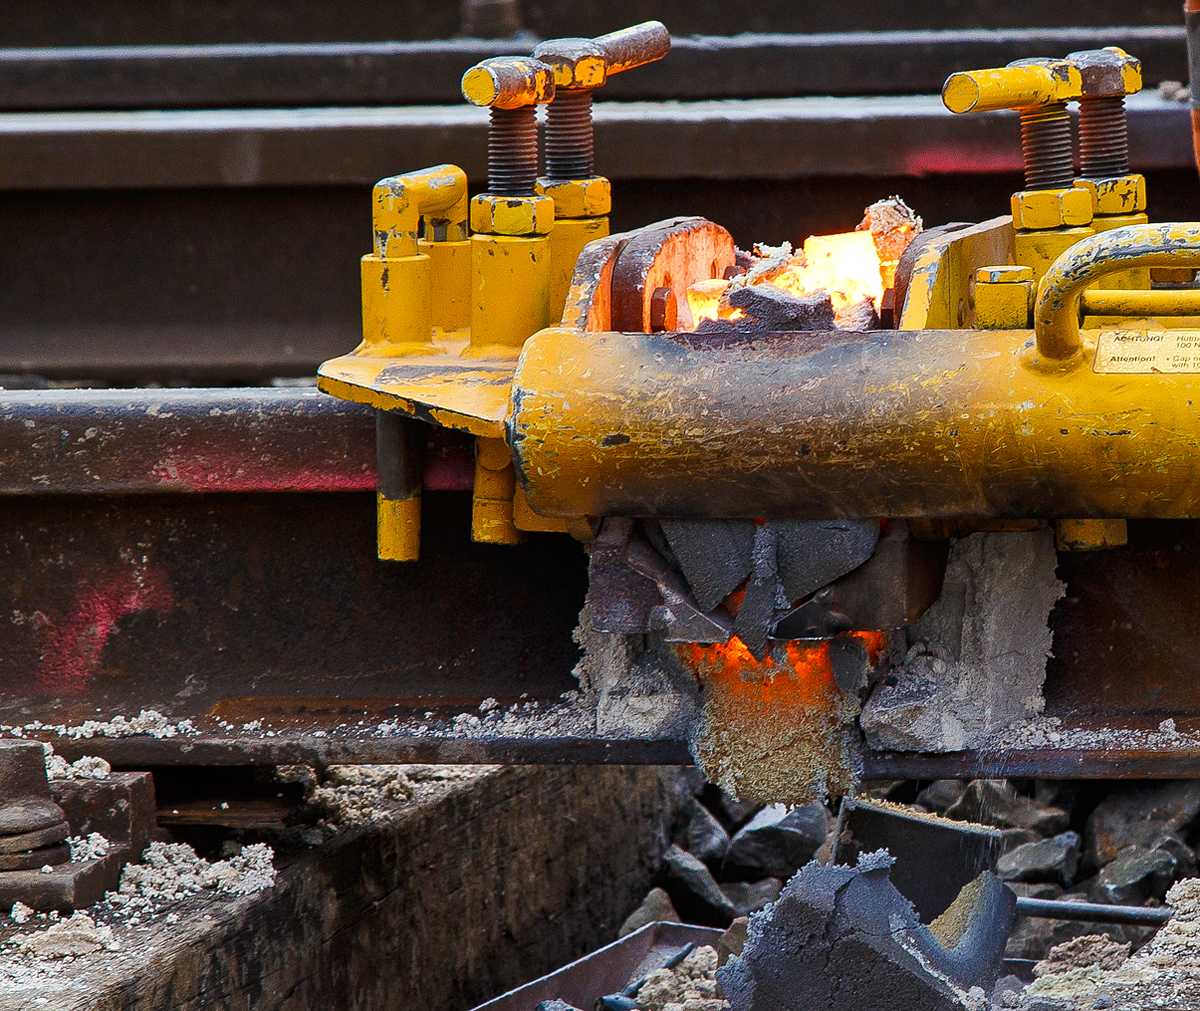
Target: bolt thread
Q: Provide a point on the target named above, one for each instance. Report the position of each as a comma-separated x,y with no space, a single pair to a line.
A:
1046,147
512,151
1103,137
569,152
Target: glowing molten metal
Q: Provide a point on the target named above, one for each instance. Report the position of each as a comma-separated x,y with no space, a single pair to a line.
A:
845,265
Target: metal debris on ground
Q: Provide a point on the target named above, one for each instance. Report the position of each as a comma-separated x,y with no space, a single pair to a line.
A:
345,795
1165,973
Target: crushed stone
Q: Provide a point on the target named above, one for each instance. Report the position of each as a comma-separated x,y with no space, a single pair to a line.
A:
690,986
88,767
149,722
1082,952
531,719
1174,91
78,935
173,870
373,794
1040,731
90,847
1164,973
20,913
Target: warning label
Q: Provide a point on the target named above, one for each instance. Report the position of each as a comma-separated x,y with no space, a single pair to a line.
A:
1147,351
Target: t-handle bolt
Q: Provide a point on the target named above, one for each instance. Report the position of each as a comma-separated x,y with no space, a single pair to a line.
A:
513,86
580,66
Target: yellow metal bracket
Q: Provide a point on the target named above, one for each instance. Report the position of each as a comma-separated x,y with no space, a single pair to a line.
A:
1057,309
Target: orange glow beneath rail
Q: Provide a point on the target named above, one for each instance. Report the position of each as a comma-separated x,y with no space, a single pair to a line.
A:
807,669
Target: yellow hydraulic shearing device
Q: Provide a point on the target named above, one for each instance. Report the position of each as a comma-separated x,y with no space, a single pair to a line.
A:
1040,367
446,313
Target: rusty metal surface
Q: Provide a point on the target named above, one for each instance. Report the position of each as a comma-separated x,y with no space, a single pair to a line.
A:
1123,632
134,23
773,138
216,440
429,72
184,603
234,607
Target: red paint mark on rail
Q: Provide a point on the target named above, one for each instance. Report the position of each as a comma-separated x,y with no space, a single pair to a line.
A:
76,641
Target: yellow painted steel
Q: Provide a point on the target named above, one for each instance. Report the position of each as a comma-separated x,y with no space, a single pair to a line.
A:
939,288
492,501
1040,209
397,278
1136,279
1011,87
567,240
1056,312
1003,304
1037,250
438,194
1116,195
505,215
510,294
398,528
1141,304
508,82
396,314
449,284
938,423
577,198
525,518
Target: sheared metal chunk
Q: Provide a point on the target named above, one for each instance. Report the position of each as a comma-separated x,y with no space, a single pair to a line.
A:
756,614
714,555
892,589
959,850
773,308
813,553
844,939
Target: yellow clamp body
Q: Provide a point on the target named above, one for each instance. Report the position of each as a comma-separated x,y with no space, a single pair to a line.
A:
1057,309
400,276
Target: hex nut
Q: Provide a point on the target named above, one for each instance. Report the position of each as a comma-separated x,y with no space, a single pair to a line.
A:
1041,209
499,215
1108,72
577,198
1116,195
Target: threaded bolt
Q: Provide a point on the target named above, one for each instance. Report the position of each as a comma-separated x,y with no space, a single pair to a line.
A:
512,151
1046,147
1103,137
569,148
